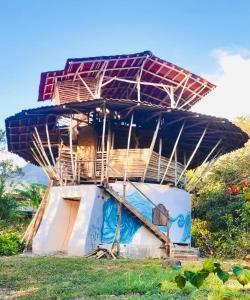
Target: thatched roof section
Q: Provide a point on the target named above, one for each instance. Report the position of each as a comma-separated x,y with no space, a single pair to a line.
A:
20,127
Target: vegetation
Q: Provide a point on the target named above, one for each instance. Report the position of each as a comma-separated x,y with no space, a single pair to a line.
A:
197,279
13,219
31,193
78,278
10,244
221,205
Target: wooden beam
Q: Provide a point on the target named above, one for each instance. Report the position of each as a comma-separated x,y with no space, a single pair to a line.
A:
152,147
172,154
103,141
159,160
193,154
71,149
206,159
49,144
87,87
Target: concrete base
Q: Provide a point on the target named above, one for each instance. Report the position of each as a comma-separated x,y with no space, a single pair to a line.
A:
79,218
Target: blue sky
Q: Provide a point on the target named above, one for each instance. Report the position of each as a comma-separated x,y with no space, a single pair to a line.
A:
40,35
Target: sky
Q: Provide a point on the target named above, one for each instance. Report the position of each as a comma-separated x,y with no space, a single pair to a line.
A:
209,38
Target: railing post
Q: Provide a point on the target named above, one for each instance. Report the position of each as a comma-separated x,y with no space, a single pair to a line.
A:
103,142
118,228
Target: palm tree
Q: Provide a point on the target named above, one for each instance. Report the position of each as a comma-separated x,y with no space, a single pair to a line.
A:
32,193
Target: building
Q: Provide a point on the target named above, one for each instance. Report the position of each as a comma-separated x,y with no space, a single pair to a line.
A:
116,144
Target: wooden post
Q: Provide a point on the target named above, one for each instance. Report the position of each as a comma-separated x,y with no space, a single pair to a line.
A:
49,144
108,149
36,221
71,150
128,145
118,228
151,149
205,160
211,163
172,154
175,166
193,154
39,142
103,141
87,87
159,160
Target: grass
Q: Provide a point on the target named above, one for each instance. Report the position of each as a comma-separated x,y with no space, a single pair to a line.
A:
79,278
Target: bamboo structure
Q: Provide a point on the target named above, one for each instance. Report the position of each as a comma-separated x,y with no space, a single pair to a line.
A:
35,223
120,118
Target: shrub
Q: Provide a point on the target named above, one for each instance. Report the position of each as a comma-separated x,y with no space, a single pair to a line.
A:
221,224
10,244
201,237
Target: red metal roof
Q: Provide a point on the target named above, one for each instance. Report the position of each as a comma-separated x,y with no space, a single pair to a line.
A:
188,88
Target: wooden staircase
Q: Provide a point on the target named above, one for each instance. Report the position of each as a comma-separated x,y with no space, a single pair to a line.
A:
151,227
183,252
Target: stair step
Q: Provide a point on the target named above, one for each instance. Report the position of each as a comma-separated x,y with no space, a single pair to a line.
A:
186,257
153,228
183,251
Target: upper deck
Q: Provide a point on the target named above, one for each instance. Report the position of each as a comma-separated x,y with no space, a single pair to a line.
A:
141,77
101,139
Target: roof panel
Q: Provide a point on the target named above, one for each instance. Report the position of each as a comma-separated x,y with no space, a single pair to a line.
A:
154,70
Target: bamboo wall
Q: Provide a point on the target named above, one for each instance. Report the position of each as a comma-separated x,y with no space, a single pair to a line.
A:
114,166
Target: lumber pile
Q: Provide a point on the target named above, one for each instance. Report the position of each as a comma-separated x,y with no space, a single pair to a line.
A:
101,252
36,221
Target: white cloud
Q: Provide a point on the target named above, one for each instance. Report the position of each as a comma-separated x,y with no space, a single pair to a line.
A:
5,155
231,98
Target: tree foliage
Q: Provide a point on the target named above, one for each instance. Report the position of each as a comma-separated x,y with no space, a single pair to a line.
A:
31,193
8,170
242,274
221,205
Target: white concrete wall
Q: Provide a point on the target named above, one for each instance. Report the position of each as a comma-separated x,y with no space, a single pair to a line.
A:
177,201
86,230
77,229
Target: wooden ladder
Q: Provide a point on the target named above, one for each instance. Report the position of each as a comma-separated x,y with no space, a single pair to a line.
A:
151,227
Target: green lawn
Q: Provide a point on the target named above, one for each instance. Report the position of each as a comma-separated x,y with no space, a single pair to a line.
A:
78,278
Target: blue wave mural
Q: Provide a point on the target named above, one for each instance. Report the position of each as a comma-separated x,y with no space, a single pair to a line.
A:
129,225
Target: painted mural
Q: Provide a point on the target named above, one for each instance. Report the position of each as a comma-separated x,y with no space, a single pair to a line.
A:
129,225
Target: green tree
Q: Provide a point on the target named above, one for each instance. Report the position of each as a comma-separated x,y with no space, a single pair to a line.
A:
32,193
8,171
221,216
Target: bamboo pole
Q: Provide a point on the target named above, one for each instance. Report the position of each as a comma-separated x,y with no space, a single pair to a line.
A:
36,221
210,164
43,152
86,86
152,147
49,144
207,158
108,149
159,160
71,150
172,154
175,166
39,162
193,154
103,141
119,205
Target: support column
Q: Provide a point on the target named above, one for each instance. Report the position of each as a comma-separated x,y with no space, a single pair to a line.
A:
103,141
118,228
152,147
159,160
172,154
193,154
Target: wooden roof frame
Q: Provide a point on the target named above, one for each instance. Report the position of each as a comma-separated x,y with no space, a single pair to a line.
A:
144,76
20,127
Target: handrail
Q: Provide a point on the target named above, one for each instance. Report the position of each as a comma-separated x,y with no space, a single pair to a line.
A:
145,196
